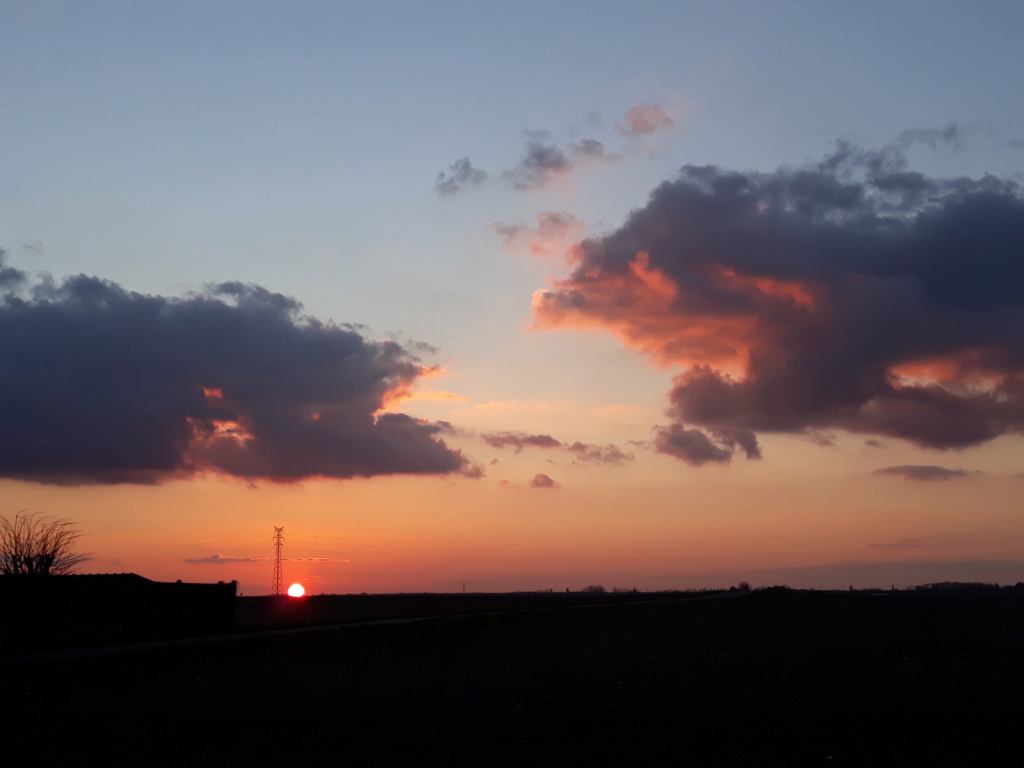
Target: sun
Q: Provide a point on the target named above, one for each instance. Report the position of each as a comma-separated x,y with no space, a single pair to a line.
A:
296,590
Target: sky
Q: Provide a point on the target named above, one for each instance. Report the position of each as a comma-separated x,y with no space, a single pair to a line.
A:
517,296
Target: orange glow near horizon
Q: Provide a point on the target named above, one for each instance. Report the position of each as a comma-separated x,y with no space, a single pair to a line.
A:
410,534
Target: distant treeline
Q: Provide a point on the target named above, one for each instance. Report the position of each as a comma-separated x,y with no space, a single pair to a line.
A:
967,586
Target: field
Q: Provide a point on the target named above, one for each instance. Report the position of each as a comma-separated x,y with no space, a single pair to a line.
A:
770,678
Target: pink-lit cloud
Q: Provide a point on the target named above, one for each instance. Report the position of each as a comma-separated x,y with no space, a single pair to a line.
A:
646,119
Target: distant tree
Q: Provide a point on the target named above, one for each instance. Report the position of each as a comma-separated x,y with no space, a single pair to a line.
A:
34,545
595,589
743,586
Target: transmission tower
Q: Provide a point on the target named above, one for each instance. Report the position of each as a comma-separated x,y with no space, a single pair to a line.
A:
278,546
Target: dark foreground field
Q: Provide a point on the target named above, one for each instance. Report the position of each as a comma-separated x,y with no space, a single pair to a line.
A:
762,679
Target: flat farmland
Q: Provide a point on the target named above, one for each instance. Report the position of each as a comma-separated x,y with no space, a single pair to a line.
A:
256,613
773,678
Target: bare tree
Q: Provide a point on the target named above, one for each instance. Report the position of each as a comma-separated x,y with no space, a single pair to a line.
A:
35,545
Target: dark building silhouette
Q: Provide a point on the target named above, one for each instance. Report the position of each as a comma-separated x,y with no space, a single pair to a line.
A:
37,613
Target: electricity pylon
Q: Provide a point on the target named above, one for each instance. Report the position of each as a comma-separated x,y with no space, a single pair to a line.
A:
278,546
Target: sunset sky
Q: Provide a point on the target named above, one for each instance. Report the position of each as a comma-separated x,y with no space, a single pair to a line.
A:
517,295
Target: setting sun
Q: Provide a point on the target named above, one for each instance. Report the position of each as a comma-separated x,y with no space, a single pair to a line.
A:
296,590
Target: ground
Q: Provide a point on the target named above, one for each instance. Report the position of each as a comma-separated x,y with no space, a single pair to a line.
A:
773,678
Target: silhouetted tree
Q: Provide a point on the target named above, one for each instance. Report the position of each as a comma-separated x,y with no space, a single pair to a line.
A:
596,589
31,545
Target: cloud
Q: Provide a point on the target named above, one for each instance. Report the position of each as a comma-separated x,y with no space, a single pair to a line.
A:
102,385
33,248
599,454
591,149
553,234
519,440
691,445
461,174
853,294
219,559
541,163
582,452
543,481
646,119
544,161
10,278
925,473
226,559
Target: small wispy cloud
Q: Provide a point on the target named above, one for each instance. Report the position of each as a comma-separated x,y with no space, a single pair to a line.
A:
540,164
543,481
554,233
222,559
219,559
599,454
646,119
460,175
545,159
582,452
519,440
926,472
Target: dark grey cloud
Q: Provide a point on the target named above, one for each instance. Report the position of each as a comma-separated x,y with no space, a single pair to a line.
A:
10,278
853,294
922,472
691,445
461,174
102,385
542,481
